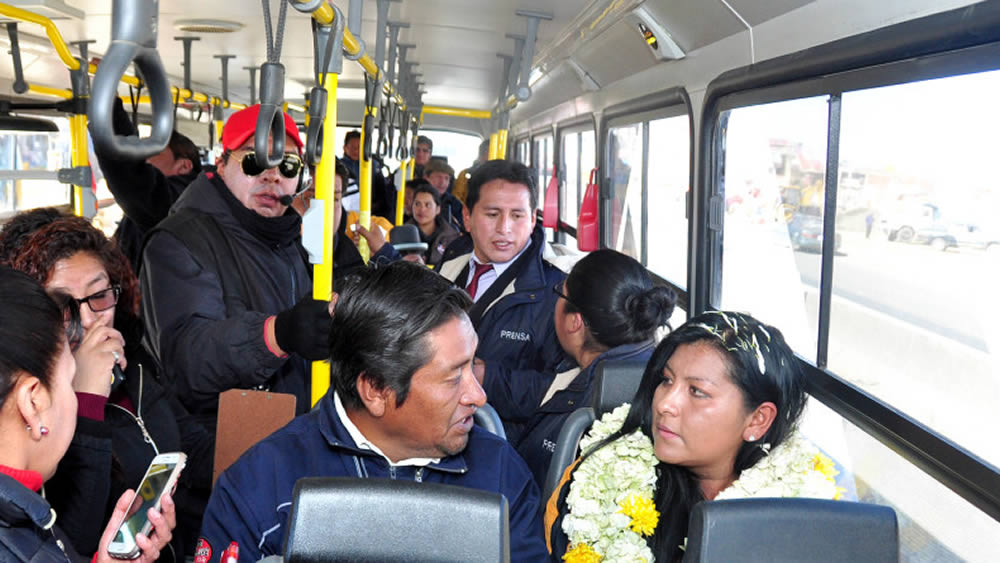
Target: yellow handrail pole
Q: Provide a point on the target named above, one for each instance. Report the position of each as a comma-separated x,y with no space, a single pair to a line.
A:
502,144
493,146
401,198
457,112
78,157
365,185
50,30
413,169
325,192
47,91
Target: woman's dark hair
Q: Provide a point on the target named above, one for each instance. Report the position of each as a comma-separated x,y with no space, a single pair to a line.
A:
20,227
617,299
68,235
426,188
31,330
761,364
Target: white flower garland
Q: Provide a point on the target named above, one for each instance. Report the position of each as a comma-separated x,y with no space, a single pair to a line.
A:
599,531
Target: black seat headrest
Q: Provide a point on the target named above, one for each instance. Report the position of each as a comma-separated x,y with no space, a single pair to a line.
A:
615,382
348,519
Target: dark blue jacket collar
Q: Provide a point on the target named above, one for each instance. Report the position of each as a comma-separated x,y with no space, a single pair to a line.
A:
337,436
19,505
531,274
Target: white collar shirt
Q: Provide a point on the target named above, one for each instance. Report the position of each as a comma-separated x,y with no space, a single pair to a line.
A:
487,279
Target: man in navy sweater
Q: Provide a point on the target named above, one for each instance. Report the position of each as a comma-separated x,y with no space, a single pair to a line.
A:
401,406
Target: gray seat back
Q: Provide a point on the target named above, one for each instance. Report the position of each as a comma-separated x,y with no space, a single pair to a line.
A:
615,382
487,417
791,529
348,519
566,447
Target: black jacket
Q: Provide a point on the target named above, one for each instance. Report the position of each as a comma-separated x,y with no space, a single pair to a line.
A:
26,531
140,189
210,338
107,457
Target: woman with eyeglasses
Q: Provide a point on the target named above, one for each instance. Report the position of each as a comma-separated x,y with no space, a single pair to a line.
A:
608,309
38,414
125,415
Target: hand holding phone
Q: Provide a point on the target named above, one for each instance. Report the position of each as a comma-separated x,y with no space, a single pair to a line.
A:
142,522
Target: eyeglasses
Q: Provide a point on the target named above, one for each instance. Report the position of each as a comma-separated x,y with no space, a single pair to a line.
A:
558,290
102,300
289,166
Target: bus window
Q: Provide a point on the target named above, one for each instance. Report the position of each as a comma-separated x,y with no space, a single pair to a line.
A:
667,228
30,150
523,152
461,149
775,162
625,172
569,207
913,317
543,165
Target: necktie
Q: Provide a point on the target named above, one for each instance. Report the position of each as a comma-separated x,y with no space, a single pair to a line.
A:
474,284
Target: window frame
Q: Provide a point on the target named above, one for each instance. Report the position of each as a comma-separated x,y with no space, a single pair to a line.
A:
580,124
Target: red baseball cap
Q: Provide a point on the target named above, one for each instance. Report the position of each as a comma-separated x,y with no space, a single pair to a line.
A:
241,126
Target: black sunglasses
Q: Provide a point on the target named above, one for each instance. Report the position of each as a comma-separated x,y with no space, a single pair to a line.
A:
289,166
102,300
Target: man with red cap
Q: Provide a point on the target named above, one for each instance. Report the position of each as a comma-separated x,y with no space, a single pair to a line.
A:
226,291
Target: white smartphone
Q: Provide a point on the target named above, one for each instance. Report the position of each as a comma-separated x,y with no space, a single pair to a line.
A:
160,478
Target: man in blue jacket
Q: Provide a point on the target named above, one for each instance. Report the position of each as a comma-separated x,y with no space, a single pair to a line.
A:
401,407
507,268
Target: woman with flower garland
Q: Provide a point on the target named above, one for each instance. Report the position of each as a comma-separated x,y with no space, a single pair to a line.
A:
608,309
715,418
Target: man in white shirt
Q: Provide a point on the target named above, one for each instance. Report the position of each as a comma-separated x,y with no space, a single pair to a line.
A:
506,266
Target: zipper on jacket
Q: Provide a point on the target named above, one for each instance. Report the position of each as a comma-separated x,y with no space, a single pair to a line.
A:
138,417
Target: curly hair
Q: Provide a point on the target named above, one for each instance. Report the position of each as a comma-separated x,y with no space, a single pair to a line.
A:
65,236
20,227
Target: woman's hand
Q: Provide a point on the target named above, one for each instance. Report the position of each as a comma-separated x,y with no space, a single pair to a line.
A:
95,357
163,522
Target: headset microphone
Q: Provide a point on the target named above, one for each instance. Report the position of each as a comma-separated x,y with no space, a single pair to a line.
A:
286,200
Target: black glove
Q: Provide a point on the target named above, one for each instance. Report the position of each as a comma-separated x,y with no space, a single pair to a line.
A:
305,329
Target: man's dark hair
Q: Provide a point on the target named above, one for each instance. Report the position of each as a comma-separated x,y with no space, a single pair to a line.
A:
425,140
513,172
340,170
183,147
355,134
380,327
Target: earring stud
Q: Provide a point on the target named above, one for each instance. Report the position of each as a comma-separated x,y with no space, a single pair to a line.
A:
752,438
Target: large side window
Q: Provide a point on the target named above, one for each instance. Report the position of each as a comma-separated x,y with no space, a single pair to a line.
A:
914,269
666,204
576,163
648,172
543,164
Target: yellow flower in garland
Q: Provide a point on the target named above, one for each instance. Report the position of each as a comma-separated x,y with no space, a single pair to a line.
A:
643,513
825,466
582,553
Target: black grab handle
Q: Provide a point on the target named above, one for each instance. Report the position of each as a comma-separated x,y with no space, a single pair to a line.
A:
133,40
271,120
314,134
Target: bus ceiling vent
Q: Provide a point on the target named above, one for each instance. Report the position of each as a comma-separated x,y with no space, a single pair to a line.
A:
654,35
204,25
133,40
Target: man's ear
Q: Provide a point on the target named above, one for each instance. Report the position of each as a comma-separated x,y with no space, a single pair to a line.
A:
183,166
376,401
466,216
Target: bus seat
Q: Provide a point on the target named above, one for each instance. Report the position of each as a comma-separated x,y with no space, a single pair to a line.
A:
487,417
615,382
791,529
550,209
333,519
588,223
566,446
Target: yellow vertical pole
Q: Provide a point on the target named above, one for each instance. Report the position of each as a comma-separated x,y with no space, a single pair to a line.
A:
401,195
502,144
78,139
324,184
218,130
365,185
413,169
493,146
